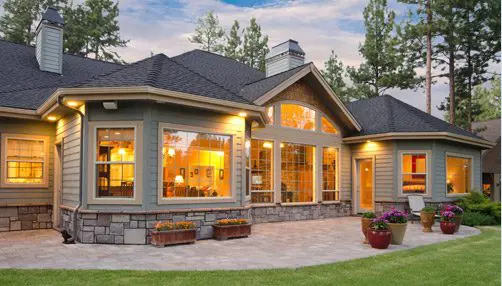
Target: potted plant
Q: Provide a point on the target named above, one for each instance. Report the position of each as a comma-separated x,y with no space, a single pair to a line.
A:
427,216
447,223
379,235
366,220
458,211
231,228
397,222
169,233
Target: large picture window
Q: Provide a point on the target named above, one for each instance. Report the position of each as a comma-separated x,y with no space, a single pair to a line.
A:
329,174
297,173
25,160
115,162
458,174
195,164
262,163
297,116
414,173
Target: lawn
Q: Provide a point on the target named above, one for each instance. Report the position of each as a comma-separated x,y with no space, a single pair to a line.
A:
470,261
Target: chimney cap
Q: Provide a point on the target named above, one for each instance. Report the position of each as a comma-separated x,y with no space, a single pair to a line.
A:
287,46
52,16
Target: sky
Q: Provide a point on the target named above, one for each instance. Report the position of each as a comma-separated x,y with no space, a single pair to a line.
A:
163,26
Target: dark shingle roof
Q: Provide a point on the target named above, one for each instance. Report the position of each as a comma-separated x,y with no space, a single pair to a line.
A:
489,129
491,159
386,114
162,72
254,90
230,74
52,16
24,85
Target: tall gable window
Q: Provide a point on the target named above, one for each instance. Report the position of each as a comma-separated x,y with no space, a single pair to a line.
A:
327,126
297,116
26,161
262,164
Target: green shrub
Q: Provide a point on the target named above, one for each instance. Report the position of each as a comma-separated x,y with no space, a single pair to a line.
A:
477,203
429,209
369,215
475,219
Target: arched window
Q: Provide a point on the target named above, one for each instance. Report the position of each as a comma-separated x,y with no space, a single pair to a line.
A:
327,127
297,116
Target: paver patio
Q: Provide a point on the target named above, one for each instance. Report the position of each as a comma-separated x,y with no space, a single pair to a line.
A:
273,245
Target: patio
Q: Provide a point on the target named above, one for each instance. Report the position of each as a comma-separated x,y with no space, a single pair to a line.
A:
273,245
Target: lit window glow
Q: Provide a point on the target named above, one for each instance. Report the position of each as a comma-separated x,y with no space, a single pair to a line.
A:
327,127
297,116
262,178
458,175
414,173
329,174
297,173
25,161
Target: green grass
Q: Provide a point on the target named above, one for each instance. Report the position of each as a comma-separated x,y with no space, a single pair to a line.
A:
470,261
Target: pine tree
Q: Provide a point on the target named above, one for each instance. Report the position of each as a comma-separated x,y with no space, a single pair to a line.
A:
75,31
17,23
488,100
333,74
385,66
233,42
255,46
208,33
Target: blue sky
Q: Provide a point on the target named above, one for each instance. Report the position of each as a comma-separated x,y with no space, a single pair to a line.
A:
163,26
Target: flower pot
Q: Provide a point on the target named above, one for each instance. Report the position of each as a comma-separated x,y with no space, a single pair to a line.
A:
379,239
365,224
427,221
171,237
398,231
447,227
223,232
458,222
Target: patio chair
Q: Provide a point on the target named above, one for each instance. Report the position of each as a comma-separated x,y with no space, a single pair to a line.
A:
416,204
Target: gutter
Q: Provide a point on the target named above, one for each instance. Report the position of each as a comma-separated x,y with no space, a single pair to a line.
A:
80,194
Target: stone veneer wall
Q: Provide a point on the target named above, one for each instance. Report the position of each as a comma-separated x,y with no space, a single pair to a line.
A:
381,207
135,228
25,217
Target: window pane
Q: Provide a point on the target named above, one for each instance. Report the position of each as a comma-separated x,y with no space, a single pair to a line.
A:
297,116
297,172
330,196
262,158
327,126
25,150
115,145
25,161
195,164
270,114
115,180
414,173
25,172
458,175
329,158
414,163
414,184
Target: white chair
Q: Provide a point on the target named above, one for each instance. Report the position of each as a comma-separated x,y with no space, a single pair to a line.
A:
416,204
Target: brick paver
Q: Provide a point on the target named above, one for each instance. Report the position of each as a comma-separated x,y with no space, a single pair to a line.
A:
272,245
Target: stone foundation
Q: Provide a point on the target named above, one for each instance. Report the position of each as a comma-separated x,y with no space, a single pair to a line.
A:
14,218
263,214
381,207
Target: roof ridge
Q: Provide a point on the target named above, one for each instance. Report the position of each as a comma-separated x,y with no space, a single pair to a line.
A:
277,74
155,69
222,56
390,114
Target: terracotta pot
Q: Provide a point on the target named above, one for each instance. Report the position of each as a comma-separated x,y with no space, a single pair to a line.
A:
365,224
223,232
170,237
379,239
447,227
398,231
458,222
427,220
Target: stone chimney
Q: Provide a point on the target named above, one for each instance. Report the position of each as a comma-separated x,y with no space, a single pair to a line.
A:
49,45
283,57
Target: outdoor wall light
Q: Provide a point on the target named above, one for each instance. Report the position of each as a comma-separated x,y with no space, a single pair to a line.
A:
110,105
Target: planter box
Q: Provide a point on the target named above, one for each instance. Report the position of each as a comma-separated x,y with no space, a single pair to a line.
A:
171,237
222,232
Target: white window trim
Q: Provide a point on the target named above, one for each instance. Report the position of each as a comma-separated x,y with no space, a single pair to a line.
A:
229,199
273,173
458,155
138,166
45,177
338,173
428,179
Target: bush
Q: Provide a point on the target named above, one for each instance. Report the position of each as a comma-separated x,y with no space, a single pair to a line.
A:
476,218
429,209
369,215
478,203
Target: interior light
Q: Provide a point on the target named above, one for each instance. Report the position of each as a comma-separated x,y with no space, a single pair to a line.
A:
122,151
72,103
243,114
368,141
267,145
247,144
52,118
179,179
171,152
366,169
117,133
282,145
220,153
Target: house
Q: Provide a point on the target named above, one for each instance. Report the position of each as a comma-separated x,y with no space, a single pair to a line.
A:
105,150
490,130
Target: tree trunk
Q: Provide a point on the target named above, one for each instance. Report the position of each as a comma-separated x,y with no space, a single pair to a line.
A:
451,70
428,77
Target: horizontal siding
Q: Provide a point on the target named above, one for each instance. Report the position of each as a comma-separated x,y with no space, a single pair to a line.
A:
68,132
29,195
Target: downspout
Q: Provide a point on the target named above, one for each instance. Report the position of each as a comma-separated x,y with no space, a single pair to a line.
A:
75,213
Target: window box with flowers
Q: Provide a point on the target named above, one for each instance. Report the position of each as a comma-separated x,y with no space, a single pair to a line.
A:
169,233
231,228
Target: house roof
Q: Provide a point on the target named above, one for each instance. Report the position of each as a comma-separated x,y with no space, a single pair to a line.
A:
52,16
491,159
386,114
24,85
489,129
